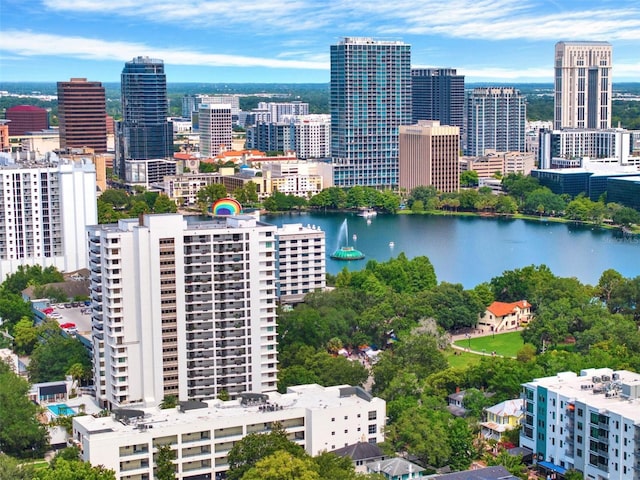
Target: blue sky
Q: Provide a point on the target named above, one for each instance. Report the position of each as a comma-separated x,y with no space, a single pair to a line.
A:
287,41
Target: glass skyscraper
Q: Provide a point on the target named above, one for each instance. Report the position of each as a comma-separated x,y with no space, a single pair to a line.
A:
144,132
438,94
370,99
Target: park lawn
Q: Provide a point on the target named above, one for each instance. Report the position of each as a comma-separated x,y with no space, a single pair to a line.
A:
505,344
459,359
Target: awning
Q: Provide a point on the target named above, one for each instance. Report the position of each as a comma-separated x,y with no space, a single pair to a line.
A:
552,467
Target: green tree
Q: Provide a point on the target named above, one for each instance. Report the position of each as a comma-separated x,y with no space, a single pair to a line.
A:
573,474
506,205
52,358
21,434
247,452
27,275
164,204
11,469
626,217
209,194
417,207
282,465
332,467
169,401
77,372
118,199
461,444
513,463
74,470
469,178
610,280
25,336
165,468
13,308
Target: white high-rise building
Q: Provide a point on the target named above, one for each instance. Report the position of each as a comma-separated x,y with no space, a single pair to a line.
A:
278,110
182,308
215,129
44,209
588,422
312,135
583,85
301,261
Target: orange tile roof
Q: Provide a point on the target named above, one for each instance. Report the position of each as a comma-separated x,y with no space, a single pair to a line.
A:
501,309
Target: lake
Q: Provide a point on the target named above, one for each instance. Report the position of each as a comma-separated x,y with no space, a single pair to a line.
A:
472,250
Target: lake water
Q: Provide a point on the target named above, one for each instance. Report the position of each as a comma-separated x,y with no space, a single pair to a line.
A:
472,250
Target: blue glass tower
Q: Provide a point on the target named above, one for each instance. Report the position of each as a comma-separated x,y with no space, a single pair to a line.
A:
438,94
144,132
370,99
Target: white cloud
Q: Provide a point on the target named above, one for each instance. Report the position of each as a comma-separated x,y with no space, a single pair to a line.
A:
33,44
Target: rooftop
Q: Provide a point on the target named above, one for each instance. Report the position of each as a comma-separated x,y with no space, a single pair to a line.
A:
298,398
601,388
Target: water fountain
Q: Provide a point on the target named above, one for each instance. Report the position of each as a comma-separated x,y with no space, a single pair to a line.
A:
345,252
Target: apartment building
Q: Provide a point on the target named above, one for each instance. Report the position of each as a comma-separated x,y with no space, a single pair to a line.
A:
44,208
202,433
215,129
588,422
301,261
182,307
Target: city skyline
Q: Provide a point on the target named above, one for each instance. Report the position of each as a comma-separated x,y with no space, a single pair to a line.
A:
288,42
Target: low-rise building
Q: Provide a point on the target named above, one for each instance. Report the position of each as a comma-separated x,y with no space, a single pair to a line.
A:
396,469
500,316
502,417
202,433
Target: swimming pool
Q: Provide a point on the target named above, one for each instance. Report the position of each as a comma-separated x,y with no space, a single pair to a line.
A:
61,409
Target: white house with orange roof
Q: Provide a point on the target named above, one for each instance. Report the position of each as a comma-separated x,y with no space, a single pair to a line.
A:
500,316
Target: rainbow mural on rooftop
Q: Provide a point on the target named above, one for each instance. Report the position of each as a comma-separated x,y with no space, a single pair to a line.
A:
226,206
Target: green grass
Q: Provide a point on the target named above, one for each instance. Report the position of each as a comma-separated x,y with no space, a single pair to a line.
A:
459,359
505,344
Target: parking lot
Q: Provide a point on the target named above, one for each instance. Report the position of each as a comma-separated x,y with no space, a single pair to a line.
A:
73,315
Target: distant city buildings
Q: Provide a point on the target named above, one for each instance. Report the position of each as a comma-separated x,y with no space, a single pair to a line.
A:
587,422
494,163
583,85
144,132
496,119
429,156
82,115
370,98
44,208
279,110
215,129
438,94
26,118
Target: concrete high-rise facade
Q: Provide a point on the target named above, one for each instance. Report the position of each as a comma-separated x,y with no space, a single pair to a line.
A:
44,209
496,118
583,85
429,156
215,129
82,115
144,132
182,308
437,94
370,98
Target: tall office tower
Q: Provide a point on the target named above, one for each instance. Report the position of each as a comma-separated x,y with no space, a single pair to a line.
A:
370,98
144,132
496,119
429,156
5,146
26,118
182,308
44,209
82,115
582,85
437,94
215,129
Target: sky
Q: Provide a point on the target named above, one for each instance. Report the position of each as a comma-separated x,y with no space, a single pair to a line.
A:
287,41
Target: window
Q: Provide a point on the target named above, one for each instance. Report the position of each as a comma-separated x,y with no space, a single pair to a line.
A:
373,415
373,429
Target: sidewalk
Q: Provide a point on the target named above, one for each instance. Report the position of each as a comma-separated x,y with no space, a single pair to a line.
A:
468,333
